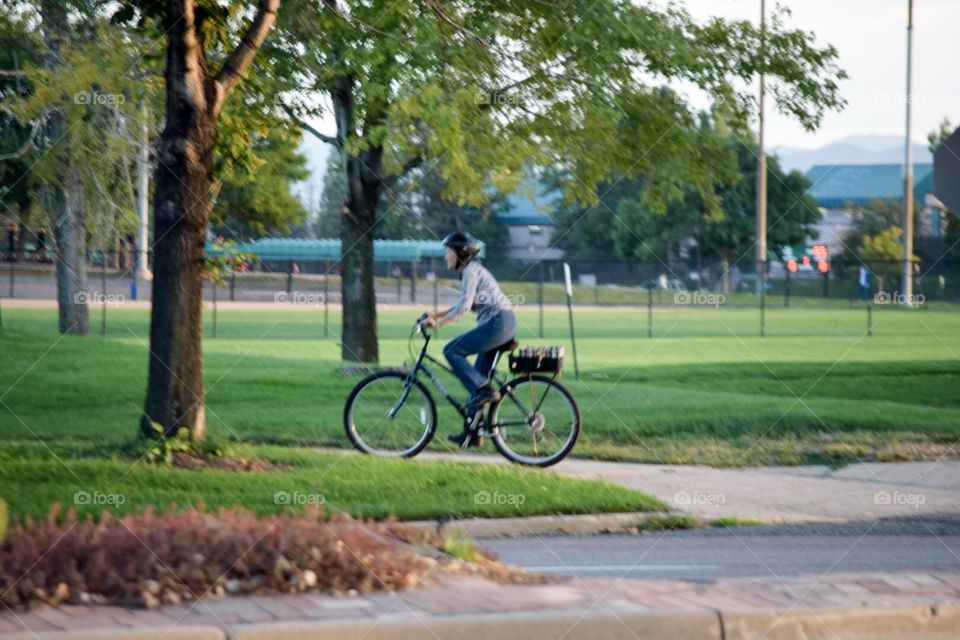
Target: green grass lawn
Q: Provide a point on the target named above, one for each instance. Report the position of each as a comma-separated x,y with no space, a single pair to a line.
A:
33,476
705,389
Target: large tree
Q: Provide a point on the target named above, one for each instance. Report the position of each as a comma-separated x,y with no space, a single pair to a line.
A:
210,46
475,91
636,231
77,94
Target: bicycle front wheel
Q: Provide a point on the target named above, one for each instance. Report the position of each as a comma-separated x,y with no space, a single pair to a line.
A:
386,414
536,422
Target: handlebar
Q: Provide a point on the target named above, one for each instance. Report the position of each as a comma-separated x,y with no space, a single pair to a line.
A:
418,326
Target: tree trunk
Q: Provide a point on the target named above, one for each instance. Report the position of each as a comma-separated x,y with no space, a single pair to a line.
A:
357,284
364,183
175,395
182,203
70,236
69,232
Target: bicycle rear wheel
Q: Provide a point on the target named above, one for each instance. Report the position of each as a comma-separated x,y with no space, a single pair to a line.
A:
385,415
536,422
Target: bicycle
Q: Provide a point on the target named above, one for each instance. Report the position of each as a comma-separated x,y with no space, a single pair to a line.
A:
392,413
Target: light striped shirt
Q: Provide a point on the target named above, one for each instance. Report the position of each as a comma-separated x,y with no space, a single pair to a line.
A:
479,292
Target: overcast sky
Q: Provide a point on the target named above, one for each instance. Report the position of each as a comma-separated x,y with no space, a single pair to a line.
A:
871,38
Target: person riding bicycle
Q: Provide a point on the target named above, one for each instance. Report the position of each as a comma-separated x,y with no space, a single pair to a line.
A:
496,325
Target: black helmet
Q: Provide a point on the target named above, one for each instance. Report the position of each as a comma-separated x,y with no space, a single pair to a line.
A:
463,243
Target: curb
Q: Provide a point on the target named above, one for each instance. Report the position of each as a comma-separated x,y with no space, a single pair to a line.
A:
543,525
931,622
610,624
546,525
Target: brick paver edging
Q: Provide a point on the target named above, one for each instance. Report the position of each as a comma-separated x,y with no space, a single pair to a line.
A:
929,623
859,606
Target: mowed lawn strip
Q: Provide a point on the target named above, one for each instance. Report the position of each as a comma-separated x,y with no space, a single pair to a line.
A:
34,477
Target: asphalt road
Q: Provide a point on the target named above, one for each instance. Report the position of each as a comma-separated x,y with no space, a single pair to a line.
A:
902,544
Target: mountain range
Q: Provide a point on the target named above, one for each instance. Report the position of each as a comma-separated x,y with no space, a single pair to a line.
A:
854,149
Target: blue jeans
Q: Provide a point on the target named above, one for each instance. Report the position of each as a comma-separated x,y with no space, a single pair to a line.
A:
482,340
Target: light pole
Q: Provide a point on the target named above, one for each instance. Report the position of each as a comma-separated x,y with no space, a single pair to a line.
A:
907,284
143,184
762,179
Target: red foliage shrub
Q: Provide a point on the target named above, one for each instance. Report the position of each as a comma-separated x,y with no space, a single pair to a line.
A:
151,558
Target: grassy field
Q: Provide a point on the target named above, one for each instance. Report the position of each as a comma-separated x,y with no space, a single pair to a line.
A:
705,389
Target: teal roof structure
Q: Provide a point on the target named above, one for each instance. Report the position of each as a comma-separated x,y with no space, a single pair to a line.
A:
309,249
837,185
528,205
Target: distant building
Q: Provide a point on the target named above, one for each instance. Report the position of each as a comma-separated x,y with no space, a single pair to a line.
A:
838,187
529,226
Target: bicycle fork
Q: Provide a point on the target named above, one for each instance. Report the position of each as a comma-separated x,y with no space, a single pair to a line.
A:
403,398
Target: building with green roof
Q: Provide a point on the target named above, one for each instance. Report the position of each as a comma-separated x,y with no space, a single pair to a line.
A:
839,187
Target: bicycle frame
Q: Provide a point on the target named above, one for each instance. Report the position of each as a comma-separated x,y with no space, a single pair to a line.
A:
461,408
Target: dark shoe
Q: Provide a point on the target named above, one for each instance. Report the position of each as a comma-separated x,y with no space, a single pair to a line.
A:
483,395
465,439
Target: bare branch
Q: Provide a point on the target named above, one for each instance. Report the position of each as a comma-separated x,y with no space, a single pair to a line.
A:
484,46
240,60
306,127
5,73
28,144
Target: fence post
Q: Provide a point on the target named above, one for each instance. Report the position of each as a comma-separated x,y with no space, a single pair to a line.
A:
650,309
786,290
13,274
540,297
103,296
436,281
826,284
289,279
214,286
326,298
233,285
869,319
413,281
568,281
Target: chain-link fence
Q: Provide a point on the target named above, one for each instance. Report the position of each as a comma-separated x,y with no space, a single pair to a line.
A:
428,283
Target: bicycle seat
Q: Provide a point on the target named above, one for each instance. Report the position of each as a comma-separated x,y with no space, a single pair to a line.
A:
507,346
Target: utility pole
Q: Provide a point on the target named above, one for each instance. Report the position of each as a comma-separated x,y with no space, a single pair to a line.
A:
907,284
143,187
762,179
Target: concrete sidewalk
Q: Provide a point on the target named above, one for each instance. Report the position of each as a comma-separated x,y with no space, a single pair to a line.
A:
905,605
777,494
